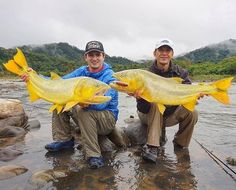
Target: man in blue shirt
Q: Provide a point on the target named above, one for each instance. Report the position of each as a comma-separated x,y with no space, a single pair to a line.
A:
93,120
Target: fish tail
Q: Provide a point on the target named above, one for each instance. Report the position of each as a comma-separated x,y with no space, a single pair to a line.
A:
13,67
222,90
18,65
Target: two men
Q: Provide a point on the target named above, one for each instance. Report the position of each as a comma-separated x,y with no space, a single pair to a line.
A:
94,120
150,115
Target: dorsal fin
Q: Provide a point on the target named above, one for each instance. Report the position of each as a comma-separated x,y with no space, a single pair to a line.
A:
54,76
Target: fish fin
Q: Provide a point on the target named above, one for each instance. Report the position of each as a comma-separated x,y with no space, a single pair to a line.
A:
54,76
201,83
177,79
161,108
99,100
221,97
53,107
32,95
19,58
190,105
12,66
223,84
70,105
59,108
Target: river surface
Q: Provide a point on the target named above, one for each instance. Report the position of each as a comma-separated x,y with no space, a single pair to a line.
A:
125,169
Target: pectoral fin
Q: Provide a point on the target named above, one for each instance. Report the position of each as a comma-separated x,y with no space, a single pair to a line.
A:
161,108
57,107
32,92
70,105
52,108
190,105
177,79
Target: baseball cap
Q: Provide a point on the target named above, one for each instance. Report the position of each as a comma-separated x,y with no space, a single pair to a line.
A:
164,42
94,46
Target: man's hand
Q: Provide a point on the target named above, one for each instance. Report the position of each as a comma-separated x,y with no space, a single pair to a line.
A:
136,94
201,95
25,77
83,105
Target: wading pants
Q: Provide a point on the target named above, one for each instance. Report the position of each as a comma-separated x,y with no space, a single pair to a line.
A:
91,124
154,120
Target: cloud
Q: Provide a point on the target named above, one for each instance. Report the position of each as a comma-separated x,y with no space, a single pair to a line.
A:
128,28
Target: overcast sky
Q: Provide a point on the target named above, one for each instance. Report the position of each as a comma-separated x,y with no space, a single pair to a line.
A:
127,28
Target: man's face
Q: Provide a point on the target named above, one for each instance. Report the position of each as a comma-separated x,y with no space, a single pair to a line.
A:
163,55
94,59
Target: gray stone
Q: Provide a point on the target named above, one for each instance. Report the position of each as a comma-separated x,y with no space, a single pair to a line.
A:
136,132
10,108
11,131
7,154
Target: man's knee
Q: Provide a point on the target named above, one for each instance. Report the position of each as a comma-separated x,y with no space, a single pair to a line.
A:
195,116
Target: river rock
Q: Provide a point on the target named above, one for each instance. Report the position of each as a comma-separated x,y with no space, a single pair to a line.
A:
17,121
33,124
41,178
136,132
11,171
7,154
10,108
11,131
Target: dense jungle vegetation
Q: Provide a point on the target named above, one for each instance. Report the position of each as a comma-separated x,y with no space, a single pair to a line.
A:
63,58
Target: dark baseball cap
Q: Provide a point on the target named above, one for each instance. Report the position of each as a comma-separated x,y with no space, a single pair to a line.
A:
94,46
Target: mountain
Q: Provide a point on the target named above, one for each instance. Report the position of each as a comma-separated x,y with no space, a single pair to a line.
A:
58,57
211,53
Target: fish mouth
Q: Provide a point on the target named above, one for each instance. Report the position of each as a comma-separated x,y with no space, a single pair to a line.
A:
118,83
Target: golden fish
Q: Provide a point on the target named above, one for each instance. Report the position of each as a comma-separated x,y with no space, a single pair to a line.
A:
63,93
168,91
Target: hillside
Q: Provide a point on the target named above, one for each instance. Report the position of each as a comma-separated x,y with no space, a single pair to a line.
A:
59,57
211,53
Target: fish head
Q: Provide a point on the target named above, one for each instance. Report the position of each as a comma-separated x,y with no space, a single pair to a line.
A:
128,81
91,91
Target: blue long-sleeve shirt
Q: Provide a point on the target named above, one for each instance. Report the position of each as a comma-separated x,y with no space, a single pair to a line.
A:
105,75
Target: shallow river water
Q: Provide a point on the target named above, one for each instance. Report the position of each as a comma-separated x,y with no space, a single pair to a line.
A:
125,169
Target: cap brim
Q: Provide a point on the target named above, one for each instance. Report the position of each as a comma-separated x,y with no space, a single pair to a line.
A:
94,50
164,45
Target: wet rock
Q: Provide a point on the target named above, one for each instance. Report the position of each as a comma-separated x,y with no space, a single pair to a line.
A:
231,161
10,108
118,137
7,154
11,171
33,124
41,178
11,131
17,121
105,144
136,132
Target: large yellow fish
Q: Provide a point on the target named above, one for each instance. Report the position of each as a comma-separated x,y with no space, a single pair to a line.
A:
168,91
63,93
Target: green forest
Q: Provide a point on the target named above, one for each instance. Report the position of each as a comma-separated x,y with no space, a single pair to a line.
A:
63,58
